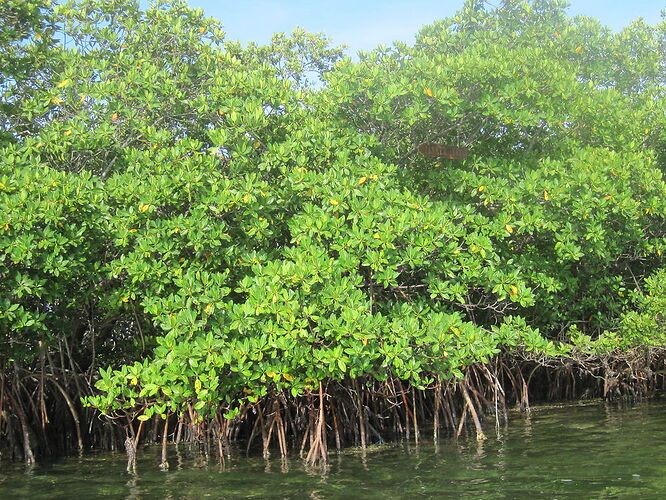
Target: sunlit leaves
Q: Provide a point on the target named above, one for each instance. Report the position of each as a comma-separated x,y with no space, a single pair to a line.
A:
239,233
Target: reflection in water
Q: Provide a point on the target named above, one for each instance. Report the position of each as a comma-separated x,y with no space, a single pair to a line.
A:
587,451
133,492
179,457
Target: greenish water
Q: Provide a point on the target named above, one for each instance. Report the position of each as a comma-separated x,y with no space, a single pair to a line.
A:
584,451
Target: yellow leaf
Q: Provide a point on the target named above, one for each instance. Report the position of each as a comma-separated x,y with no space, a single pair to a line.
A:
546,196
513,290
197,385
247,198
114,117
202,29
271,374
607,197
64,83
67,132
364,340
374,177
376,236
39,144
287,377
362,180
579,50
133,230
508,228
125,299
6,227
334,202
143,208
134,381
208,309
481,189
428,92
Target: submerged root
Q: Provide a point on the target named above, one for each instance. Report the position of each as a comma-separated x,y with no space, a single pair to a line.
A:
130,449
357,412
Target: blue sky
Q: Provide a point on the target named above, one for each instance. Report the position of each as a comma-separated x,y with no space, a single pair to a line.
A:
364,24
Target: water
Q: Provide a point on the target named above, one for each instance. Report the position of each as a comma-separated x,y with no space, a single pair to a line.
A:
582,451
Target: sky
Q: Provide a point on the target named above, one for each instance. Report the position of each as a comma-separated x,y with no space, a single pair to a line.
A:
364,24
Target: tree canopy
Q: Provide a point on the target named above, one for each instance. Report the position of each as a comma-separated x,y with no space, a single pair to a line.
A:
203,225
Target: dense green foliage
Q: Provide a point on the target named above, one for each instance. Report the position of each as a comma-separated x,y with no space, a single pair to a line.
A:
193,218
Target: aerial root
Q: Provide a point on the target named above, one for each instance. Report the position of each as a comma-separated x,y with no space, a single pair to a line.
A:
355,412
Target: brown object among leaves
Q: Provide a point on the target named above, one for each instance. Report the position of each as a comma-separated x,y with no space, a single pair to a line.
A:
442,151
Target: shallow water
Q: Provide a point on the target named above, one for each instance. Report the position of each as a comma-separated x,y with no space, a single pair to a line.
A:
582,451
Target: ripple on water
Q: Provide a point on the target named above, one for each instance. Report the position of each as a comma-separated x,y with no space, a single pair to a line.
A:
586,451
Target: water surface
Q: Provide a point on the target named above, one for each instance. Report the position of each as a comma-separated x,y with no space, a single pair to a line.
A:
582,451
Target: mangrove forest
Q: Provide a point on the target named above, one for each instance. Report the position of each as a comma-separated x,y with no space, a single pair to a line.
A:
284,250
